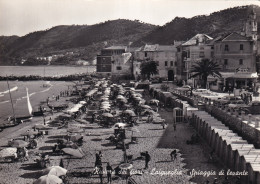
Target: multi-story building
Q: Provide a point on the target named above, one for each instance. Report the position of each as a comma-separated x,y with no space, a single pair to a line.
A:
104,60
236,55
198,47
164,55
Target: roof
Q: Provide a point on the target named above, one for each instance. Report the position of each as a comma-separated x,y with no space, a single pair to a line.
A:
235,37
199,38
116,48
157,47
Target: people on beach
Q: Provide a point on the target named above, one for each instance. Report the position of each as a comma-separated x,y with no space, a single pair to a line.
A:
147,159
100,173
173,153
109,173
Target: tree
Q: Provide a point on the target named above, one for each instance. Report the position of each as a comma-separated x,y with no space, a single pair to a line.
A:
149,68
205,68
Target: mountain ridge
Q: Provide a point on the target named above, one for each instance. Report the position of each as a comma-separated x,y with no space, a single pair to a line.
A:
86,41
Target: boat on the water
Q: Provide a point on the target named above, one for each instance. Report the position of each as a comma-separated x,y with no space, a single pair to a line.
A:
16,120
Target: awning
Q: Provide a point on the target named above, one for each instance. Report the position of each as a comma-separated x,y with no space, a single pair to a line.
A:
249,75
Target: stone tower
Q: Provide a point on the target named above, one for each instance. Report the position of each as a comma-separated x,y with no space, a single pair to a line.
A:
251,26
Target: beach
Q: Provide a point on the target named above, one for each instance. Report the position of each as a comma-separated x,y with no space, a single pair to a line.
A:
151,137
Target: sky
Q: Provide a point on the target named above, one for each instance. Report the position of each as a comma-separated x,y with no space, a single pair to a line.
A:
20,17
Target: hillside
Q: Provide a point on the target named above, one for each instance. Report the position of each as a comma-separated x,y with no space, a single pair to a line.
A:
215,24
84,41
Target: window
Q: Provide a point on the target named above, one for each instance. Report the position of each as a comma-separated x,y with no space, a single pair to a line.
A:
171,63
202,55
166,63
226,48
179,49
118,68
225,61
240,61
212,47
145,54
241,47
175,63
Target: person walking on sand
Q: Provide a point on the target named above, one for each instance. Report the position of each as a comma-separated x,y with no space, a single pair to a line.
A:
172,154
163,124
100,173
147,159
109,173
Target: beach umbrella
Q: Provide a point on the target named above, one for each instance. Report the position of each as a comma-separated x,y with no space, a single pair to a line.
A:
123,100
75,130
130,112
29,133
7,152
41,127
138,95
154,101
109,115
146,106
55,170
19,143
75,137
120,125
48,179
73,152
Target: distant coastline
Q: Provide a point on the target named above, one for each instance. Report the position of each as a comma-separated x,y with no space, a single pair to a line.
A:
43,72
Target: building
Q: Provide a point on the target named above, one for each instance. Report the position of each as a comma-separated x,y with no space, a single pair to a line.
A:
121,66
236,55
104,60
198,47
164,55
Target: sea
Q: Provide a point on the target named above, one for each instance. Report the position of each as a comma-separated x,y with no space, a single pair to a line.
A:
38,91
46,71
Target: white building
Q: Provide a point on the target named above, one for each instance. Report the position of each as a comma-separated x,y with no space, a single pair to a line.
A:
164,55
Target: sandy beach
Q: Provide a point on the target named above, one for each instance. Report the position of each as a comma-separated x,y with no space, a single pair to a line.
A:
151,137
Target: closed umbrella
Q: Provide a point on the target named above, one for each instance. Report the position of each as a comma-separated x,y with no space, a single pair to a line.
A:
55,170
48,179
7,152
73,152
19,143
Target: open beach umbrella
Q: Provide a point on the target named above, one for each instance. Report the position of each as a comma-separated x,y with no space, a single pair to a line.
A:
130,112
48,179
146,106
154,101
109,115
29,133
73,152
7,152
75,130
138,95
123,100
120,125
55,170
41,127
19,143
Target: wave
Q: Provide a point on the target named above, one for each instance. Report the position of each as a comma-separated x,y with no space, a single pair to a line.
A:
11,90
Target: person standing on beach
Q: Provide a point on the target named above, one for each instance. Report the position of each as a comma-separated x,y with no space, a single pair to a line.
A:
172,154
109,173
100,173
147,159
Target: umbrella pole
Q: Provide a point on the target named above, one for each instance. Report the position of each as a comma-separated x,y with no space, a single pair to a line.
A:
68,162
